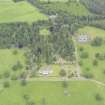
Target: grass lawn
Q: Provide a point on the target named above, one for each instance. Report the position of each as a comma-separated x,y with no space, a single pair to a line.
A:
8,60
87,64
19,12
80,93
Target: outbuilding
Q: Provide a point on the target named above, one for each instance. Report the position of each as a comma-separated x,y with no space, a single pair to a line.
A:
45,71
83,38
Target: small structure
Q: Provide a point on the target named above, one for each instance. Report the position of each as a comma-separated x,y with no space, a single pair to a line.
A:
45,71
83,38
53,16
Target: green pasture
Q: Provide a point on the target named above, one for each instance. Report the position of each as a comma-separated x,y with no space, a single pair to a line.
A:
19,12
8,59
87,66
52,93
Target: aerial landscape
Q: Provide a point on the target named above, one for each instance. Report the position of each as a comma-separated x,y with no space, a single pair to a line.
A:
52,52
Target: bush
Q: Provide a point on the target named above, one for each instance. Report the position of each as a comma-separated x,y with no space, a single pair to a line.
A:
81,49
17,66
23,82
6,84
84,55
62,73
95,62
97,42
6,74
98,97
26,97
97,55
87,68
100,56
15,52
23,75
88,75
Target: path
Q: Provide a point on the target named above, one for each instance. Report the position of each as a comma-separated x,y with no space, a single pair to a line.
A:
78,71
72,79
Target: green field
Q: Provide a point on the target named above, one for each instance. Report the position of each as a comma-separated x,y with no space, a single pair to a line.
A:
22,81
8,60
80,93
87,64
73,8
19,12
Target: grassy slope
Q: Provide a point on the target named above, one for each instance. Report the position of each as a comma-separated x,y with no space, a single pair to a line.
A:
81,93
16,12
8,59
74,8
97,71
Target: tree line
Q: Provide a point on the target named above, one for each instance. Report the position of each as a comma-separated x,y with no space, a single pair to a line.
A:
42,48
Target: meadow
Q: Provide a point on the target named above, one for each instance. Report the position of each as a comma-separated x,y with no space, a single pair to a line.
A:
72,8
52,93
19,12
87,67
18,86
8,59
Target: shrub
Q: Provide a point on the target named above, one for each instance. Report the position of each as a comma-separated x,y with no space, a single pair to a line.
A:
17,66
23,75
88,75
95,62
97,42
15,52
84,55
81,49
6,74
6,84
97,55
26,97
87,68
62,73
23,82
98,97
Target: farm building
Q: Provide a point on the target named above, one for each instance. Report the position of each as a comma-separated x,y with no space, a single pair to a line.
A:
53,16
45,71
83,38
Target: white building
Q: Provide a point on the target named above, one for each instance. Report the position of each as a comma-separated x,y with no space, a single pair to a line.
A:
45,71
83,38
53,16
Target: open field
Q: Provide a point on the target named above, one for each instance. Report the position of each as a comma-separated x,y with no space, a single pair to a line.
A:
74,8
8,59
19,12
52,93
49,66
87,67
